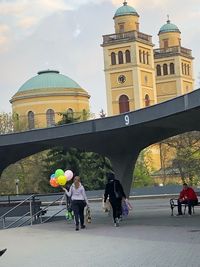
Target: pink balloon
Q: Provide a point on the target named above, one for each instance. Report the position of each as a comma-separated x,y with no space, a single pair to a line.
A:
69,174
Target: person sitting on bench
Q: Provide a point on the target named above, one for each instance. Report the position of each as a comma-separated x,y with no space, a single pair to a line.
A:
187,196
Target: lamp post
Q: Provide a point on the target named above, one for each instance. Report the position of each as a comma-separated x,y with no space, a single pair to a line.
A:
17,186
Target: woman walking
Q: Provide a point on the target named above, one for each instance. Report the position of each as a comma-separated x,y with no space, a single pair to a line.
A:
115,192
79,201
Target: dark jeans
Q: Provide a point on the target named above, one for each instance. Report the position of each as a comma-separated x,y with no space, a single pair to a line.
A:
78,209
116,207
190,203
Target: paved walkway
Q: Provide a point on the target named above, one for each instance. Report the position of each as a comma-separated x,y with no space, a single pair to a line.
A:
148,237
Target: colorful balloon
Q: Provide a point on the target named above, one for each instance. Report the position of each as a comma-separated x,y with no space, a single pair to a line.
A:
53,182
69,174
52,176
61,180
59,172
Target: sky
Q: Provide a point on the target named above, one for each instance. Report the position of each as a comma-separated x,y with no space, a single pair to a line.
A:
66,35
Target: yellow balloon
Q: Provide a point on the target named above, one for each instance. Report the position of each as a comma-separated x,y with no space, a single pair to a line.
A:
61,180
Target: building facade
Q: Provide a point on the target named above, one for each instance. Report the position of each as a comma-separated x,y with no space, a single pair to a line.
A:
137,75
39,100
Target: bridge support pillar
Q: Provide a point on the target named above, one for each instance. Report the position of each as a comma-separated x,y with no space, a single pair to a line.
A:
123,166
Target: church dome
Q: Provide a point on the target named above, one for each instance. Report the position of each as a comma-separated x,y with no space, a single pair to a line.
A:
169,27
125,10
48,79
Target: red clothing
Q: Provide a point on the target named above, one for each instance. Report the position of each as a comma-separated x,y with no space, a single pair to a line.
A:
188,194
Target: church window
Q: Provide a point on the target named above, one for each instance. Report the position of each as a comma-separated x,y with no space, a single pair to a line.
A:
185,69
120,57
31,120
182,68
144,60
165,43
121,27
171,67
188,69
140,56
128,56
147,100
50,117
147,58
165,69
158,70
113,58
123,104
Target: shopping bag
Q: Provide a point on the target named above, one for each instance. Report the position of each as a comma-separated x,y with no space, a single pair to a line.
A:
125,208
88,215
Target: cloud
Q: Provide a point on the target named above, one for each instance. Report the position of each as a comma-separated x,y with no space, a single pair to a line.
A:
27,22
4,37
77,31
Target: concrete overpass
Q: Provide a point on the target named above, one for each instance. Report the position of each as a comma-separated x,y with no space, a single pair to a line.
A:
120,138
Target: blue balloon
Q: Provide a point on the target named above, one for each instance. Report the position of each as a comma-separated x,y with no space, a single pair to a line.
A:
52,176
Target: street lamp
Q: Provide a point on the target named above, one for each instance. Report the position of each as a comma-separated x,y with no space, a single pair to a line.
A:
17,186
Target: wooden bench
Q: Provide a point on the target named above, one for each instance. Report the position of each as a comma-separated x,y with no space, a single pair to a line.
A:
173,203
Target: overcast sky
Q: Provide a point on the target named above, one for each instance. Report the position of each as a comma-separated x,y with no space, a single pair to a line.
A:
66,35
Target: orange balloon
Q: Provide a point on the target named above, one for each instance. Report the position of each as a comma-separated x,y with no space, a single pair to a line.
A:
53,182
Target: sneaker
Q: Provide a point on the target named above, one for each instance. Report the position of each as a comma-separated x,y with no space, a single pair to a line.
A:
116,222
82,226
2,251
77,228
179,214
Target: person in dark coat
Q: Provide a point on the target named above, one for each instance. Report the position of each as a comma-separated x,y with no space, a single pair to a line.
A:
115,192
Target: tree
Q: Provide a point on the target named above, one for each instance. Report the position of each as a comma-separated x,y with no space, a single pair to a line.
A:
187,156
6,123
141,173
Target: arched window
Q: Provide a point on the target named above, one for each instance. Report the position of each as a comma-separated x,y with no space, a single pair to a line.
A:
158,70
120,57
123,104
144,59
140,56
147,100
147,58
113,58
171,67
165,69
128,56
31,120
50,117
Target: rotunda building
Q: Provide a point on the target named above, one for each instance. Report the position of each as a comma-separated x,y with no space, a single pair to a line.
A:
39,100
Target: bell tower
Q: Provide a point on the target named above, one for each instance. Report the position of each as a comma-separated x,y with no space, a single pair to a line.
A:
128,64
173,64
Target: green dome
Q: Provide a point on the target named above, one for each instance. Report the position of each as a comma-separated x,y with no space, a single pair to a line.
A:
48,79
125,10
169,27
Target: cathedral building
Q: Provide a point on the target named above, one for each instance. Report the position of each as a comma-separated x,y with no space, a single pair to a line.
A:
136,74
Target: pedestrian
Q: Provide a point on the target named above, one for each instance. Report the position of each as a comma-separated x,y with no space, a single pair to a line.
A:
115,192
78,201
187,196
2,251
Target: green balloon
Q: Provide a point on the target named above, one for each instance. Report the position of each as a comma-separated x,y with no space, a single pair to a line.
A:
59,172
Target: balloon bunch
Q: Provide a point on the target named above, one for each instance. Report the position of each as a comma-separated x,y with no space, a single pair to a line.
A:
60,178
